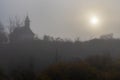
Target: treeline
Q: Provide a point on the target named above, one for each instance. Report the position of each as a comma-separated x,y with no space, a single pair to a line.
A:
47,51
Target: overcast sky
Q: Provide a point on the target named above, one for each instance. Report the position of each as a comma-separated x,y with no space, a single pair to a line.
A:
65,18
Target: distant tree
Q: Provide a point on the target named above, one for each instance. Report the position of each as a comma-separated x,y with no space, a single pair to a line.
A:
68,40
48,38
107,36
59,39
3,35
77,40
37,37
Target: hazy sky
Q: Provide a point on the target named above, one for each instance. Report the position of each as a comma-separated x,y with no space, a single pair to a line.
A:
65,18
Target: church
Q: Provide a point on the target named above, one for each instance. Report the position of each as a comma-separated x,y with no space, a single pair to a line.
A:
22,33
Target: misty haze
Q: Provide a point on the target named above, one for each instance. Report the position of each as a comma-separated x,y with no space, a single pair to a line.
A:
59,40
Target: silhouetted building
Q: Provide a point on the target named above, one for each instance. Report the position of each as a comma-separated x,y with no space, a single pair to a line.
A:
22,33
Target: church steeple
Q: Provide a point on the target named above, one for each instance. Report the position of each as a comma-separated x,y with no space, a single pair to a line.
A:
22,33
27,21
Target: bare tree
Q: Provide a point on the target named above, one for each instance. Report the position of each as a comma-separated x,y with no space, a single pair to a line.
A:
13,23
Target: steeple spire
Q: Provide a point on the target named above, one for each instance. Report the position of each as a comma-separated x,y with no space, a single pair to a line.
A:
27,21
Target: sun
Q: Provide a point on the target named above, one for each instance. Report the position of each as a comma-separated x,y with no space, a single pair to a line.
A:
94,20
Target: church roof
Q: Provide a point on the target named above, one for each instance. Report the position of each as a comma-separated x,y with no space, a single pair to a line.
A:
23,30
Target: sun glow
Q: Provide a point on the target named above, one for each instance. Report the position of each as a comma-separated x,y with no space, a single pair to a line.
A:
94,20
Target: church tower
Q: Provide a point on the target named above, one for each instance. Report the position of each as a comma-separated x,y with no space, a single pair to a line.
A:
27,21
23,33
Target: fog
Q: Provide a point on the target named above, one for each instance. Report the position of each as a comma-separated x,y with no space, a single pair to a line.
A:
64,18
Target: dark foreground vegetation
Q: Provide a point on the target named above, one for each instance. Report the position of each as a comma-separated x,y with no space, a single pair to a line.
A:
81,71
96,67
